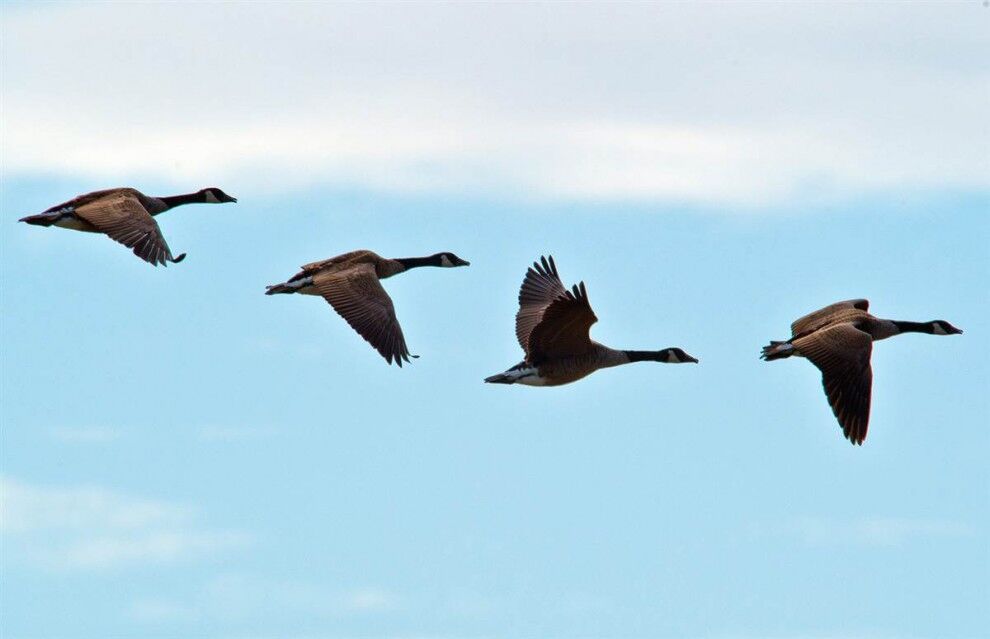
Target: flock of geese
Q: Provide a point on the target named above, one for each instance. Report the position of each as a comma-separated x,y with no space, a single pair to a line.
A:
552,323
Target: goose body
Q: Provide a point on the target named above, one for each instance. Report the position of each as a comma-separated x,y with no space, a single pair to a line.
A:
838,339
351,284
552,326
126,216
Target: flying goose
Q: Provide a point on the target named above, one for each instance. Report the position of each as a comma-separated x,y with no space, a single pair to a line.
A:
350,283
838,339
126,216
552,327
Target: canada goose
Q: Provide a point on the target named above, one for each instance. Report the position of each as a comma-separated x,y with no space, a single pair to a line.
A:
552,327
350,282
838,339
126,215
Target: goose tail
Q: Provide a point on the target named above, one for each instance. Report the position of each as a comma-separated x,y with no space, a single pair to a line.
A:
777,350
501,378
42,219
279,288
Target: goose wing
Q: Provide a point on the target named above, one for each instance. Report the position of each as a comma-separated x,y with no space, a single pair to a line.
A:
842,353
539,289
121,216
362,255
357,295
85,198
563,329
819,318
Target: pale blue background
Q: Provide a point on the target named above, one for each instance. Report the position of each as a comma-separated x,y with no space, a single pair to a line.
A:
312,491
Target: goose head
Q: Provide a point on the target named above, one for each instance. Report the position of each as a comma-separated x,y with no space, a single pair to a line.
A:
447,259
941,327
676,356
214,195
664,355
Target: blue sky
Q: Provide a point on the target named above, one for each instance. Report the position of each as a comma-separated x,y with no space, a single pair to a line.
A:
185,457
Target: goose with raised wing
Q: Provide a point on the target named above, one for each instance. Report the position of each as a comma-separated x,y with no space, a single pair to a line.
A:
126,216
552,326
351,283
838,339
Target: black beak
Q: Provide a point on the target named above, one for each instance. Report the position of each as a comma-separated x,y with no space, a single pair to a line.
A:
461,262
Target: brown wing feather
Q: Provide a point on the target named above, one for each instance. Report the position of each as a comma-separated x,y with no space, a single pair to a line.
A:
819,318
842,353
122,217
362,255
86,198
563,329
539,289
357,295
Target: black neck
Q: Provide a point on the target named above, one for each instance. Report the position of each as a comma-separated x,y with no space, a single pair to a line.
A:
647,356
413,262
914,327
172,201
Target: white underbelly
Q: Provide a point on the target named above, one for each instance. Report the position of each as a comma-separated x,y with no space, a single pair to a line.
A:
529,375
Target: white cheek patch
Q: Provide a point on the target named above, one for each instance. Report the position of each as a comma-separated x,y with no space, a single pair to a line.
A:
938,330
445,261
211,199
672,358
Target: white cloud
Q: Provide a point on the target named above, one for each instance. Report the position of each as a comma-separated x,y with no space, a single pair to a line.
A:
29,510
235,596
91,528
715,103
146,546
263,601
869,531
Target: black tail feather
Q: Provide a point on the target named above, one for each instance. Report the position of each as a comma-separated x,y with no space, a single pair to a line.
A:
41,219
501,378
770,352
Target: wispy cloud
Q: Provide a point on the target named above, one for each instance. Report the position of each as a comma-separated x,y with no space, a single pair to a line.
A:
715,103
867,531
251,598
246,596
92,528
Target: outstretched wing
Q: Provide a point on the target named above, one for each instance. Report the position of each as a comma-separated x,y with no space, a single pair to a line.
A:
842,353
540,288
357,295
80,200
362,255
122,216
563,329
814,320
